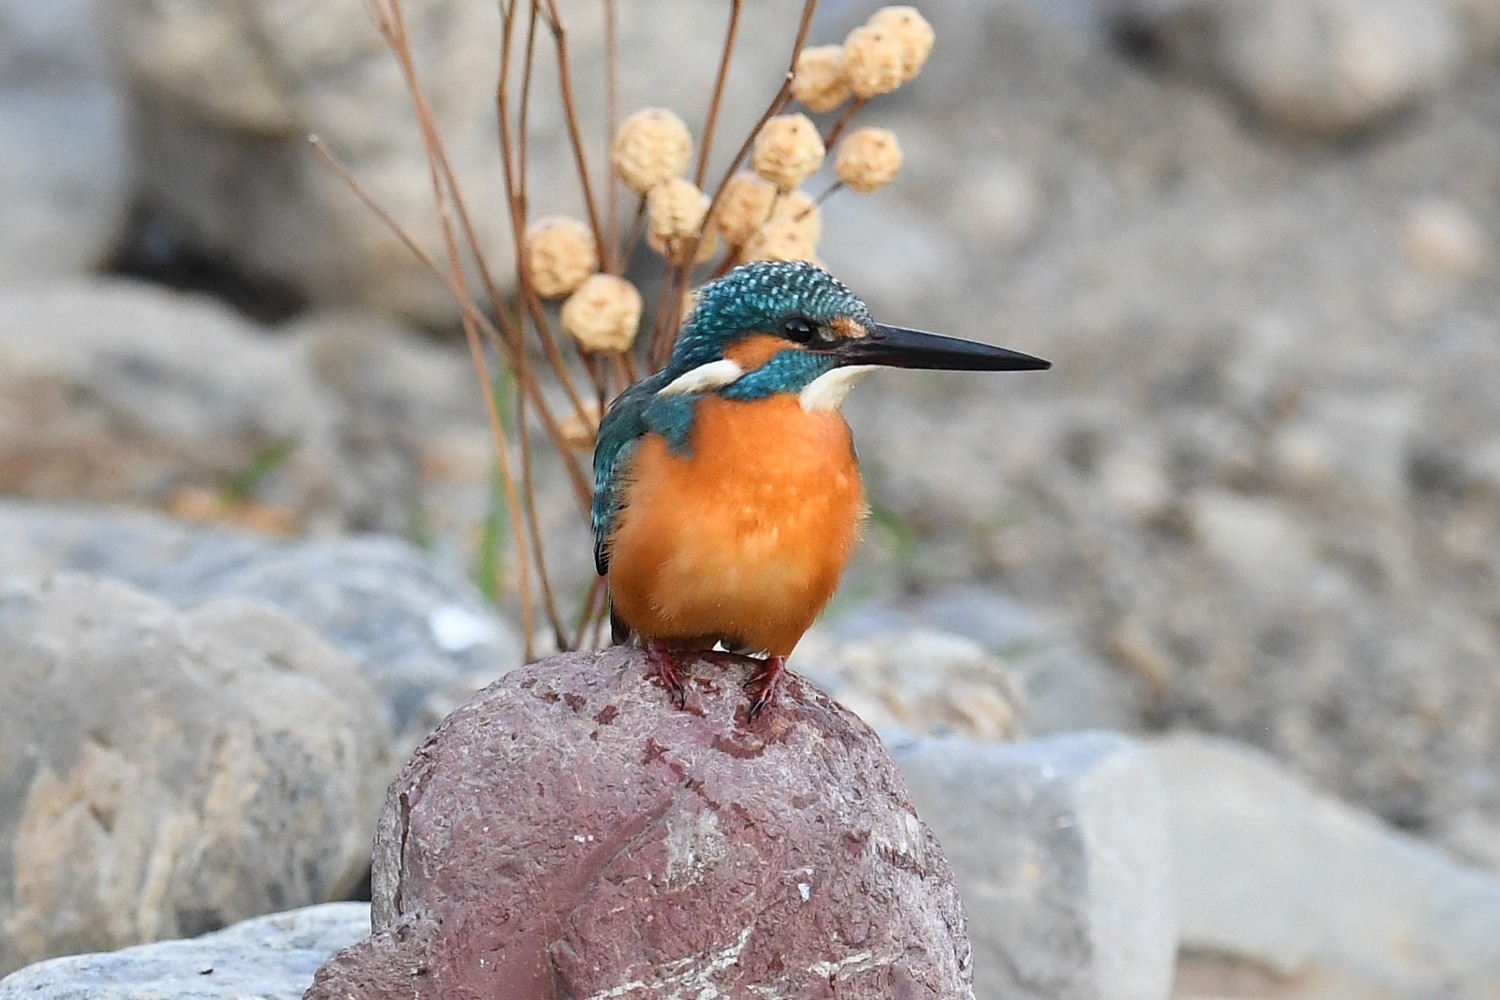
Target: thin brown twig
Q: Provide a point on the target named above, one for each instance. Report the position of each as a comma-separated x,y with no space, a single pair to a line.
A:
634,238
587,613
512,160
843,121
721,81
467,306
570,110
611,124
664,334
393,25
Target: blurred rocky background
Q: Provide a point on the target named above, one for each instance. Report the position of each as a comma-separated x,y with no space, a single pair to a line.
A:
1229,570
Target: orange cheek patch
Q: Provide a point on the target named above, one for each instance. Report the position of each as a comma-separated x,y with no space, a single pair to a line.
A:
847,329
751,353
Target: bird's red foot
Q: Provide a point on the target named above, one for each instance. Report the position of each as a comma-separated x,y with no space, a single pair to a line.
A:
664,666
764,685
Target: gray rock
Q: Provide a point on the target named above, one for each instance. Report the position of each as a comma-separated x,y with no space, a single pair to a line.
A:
1040,682
225,96
1331,66
423,641
1275,873
172,772
64,165
921,680
120,391
411,424
269,958
1060,850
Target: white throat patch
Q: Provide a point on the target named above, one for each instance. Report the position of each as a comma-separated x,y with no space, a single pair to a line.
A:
828,390
709,376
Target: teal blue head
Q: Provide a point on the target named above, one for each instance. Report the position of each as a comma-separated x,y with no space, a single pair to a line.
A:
790,327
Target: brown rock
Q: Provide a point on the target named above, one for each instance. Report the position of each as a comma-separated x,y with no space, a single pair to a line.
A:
569,833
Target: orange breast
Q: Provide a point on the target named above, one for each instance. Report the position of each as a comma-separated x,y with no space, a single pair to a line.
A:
743,540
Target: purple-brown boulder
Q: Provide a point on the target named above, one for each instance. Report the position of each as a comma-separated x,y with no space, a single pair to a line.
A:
569,833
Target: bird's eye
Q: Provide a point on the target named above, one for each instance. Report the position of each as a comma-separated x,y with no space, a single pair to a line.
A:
799,329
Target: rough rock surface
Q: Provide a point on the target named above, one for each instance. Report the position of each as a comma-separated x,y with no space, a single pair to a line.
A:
570,833
64,165
124,392
1331,67
1229,312
422,640
169,773
224,96
1324,896
969,660
1061,849
268,958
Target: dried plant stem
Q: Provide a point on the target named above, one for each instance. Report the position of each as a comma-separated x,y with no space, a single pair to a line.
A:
611,125
393,25
843,121
591,615
513,166
721,81
636,225
570,110
666,321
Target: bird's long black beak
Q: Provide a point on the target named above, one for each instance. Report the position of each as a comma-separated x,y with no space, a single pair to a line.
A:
896,347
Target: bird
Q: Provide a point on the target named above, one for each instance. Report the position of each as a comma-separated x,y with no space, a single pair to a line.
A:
727,495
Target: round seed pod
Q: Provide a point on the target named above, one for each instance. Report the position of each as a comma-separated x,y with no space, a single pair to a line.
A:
561,254
781,239
651,146
674,249
818,81
800,209
873,61
915,34
869,159
580,429
743,205
674,213
675,208
788,150
603,314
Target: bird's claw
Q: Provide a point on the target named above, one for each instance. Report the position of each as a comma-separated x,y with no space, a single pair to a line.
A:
764,685
664,666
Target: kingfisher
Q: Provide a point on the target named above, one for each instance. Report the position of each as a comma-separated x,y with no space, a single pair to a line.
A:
727,496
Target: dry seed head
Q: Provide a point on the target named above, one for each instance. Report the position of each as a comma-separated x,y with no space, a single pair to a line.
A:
869,159
743,205
674,212
818,80
787,150
800,210
652,145
781,239
874,61
561,253
580,428
674,249
603,315
675,208
915,34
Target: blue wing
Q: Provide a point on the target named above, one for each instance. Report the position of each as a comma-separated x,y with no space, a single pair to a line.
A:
620,434
636,412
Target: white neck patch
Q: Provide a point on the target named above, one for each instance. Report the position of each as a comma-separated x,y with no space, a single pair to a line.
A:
828,390
710,376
